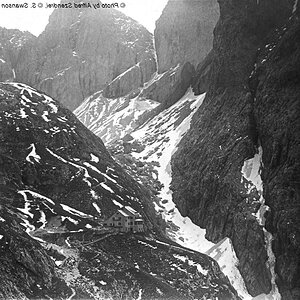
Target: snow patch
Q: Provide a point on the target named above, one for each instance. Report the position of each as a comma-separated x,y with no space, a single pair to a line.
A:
37,195
251,170
295,6
159,291
191,263
161,137
147,245
28,227
44,116
26,209
33,154
117,203
23,113
140,295
99,172
97,208
94,158
70,219
43,219
106,187
74,211
224,254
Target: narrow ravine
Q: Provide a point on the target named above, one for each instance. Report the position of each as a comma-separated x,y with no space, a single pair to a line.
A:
252,171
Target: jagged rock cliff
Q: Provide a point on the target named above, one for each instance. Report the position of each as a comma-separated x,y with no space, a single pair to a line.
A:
11,42
276,88
209,183
84,49
184,32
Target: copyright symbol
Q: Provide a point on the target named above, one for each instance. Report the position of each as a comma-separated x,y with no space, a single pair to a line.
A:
122,5
40,5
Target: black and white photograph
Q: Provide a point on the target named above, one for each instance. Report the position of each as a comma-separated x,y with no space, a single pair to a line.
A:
149,150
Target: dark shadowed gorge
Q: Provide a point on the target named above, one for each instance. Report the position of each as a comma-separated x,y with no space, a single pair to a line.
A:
252,83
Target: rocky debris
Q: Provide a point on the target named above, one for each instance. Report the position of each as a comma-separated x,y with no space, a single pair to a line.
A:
11,42
26,270
184,32
207,182
276,88
149,268
82,50
112,119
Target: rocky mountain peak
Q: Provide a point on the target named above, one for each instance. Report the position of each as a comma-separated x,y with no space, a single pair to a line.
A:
83,49
11,42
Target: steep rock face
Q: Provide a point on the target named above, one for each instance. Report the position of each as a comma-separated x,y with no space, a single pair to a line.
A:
11,42
184,32
276,84
169,87
82,50
208,184
131,79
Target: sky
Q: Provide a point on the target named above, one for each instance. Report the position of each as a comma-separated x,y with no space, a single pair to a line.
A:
35,20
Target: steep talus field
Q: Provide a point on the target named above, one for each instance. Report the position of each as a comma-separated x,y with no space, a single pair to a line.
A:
82,50
232,162
58,185
113,118
11,42
184,32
